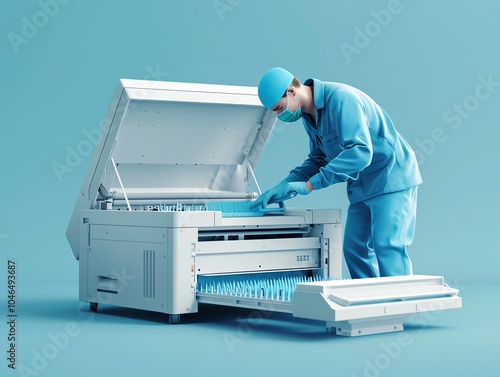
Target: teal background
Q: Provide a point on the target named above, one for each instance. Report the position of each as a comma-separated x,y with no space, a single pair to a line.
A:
428,58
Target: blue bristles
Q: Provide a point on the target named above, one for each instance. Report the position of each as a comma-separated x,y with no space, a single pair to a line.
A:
268,286
247,209
235,209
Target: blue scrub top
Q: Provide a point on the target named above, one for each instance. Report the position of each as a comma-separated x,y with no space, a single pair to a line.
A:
354,141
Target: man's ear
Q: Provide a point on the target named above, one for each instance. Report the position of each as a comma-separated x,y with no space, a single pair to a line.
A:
292,90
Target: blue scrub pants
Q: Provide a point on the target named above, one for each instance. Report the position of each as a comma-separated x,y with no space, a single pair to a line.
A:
377,233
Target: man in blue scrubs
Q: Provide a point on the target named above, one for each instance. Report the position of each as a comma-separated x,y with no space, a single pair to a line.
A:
352,140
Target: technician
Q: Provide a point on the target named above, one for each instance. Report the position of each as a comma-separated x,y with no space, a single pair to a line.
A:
353,140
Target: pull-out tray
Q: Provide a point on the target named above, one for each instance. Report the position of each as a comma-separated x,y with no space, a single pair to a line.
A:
375,305
353,307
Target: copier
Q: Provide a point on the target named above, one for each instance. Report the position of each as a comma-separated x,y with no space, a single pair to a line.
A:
146,236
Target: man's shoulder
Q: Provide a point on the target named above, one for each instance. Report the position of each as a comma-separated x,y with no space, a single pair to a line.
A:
341,90
338,93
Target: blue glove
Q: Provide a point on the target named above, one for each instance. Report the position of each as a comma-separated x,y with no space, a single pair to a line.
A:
299,187
283,188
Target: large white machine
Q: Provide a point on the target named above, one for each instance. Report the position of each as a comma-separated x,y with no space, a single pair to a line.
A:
146,237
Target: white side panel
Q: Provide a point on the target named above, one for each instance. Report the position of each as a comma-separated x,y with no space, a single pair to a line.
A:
181,277
331,246
127,266
83,264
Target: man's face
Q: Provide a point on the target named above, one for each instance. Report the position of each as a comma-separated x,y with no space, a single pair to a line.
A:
289,100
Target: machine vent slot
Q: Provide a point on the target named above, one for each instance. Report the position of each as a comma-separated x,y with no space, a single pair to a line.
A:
149,273
303,258
107,284
252,234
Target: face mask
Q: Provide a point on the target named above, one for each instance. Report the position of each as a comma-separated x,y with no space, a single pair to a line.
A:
288,116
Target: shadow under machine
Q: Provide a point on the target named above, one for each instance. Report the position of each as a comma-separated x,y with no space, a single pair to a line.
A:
158,223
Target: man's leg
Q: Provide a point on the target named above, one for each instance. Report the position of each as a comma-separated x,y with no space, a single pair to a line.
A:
358,249
393,228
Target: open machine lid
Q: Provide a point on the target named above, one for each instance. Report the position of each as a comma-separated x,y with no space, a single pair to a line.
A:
175,140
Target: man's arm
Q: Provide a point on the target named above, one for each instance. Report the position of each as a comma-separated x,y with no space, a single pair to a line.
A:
355,140
315,160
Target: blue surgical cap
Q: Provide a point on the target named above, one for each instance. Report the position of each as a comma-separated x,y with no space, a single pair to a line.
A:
272,86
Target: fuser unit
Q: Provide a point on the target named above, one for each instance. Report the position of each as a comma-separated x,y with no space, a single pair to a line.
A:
147,236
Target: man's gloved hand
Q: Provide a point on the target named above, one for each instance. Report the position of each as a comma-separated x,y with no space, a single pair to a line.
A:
283,188
299,187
